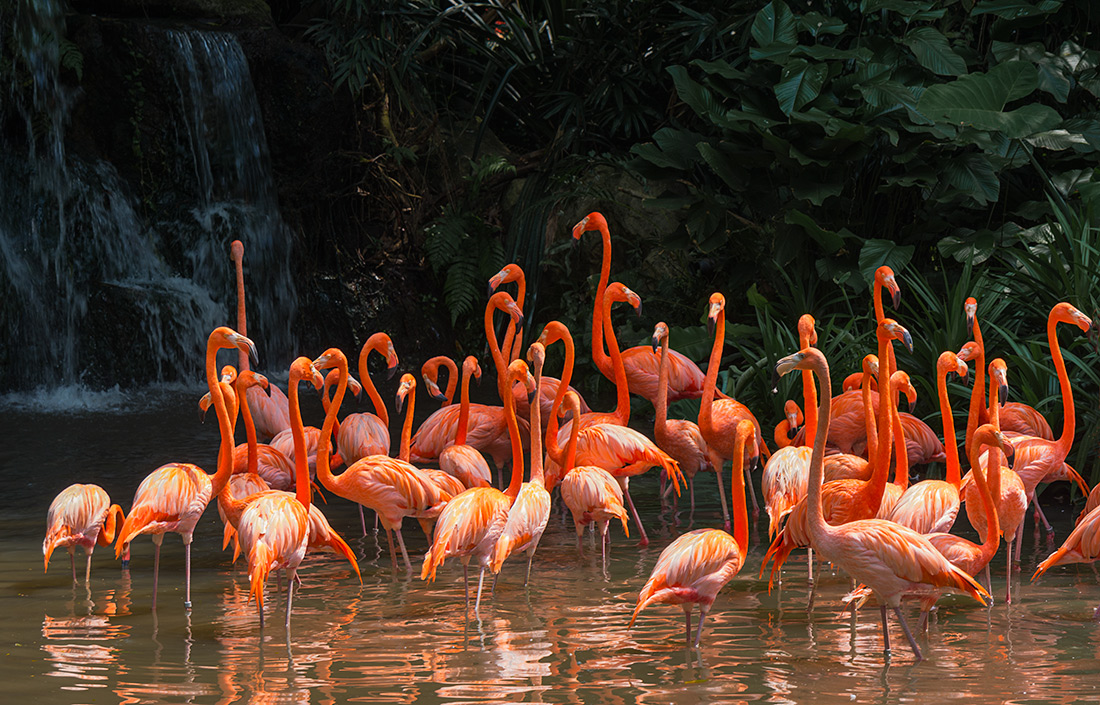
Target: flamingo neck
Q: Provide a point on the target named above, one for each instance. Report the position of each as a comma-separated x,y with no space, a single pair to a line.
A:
452,379
552,447
512,342
993,460
242,320
817,525
809,395
406,428
622,391
603,362
570,460
737,499
494,350
977,395
954,472
662,390
297,432
880,316
711,380
463,411
368,384
992,537
512,490
877,483
249,430
225,426
869,425
536,432
1069,421
901,464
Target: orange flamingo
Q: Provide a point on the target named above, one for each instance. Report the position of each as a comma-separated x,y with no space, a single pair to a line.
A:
513,336
1038,458
552,333
240,486
847,465
1006,487
930,506
694,567
718,418
788,428
899,382
680,438
1081,546
393,488
845,500
530,511
686,380
174,496
591,493
276,469
472,521
270,409
459,460
890,559
80,515
429,372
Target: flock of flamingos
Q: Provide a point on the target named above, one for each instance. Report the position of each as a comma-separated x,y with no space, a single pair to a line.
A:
831,497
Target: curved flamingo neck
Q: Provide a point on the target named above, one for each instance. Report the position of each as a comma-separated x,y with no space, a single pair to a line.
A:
249,426
992,537
954,472
297,432
993,460
536,429
737,485
513,342
817,525
452,377
711,380
880,316
977,395
503,387
604,363
406,428
869,425
463,408
622,391
809,392
563,387
660,423
875,486
225,426
326,403
374,343
569,461
901,464
237,253
512,490
1069,420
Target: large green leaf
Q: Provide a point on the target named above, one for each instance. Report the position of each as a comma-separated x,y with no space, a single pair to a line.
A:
829,241
1016,9
800,83
909,9
978,100
775,30
973,174
1055,72
934,52
876,253
818,24
969,247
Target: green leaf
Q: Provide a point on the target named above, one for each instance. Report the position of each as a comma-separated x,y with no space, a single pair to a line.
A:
818,24
1016,9
775,24
1057,139
973,175
800,83
906,8
814,190
756,300
720,68
934,52
876,253
697,97
829,241
972,247
978,100
722,164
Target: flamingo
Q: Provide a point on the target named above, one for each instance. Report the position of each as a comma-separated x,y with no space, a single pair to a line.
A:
530,511
429,372
680,438
1081,546
686,380
591,493
459,460
513,335
391,487
270,410
240,486
786,429
694,567
847,465
488,429
80,515
930,506
472,522
899,382
718,418
174,496
276,469
889,558
845,500
1005,485
552,333
1038,458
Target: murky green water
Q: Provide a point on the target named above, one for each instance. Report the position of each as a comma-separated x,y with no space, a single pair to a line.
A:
397,639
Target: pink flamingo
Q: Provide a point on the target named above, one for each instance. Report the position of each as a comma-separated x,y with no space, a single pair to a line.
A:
80,515
459,460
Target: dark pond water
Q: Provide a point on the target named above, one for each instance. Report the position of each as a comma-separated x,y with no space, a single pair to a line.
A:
397,639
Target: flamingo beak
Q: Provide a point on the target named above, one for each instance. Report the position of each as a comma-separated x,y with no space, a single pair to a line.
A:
1002,393
656,341
907,340
754,462
390,372
400,402
248,346
1010,454
895,296
791,432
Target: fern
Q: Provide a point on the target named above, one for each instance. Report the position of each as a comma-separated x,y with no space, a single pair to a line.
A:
72,58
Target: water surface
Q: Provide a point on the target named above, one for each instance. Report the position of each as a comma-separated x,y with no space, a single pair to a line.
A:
397,639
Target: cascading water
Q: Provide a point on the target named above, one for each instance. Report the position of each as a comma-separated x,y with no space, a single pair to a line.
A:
99,288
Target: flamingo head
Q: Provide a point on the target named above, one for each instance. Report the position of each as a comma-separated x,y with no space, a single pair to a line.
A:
715,308
470,366
660,333
950,362
1067,313
510,273
229,374
901,382
893,330
970,307
804,359
807,333
969,352
553,332
236,251
405,387
248,378
998,375
794,418
225,337
503,301
884,276
536,356
988,435
519,372
616,291
592,221
303,369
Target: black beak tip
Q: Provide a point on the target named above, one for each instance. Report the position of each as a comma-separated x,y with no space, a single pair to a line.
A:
775,378
531,396
908,340
896,297
754,462
491,289
791,433
400,403
1002,393
253,357
439,396
638,311
391,372
1010,457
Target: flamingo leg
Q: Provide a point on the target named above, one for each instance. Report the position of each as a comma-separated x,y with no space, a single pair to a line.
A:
530,557
88,569
1019,545
72,563
908,634
187,574
480,582
393,553
278,581
810,564
156,565
752,494
1039,516
691,491
699,632
466,583
885,632
290,595
404,553
363,519
722,496
603,545
1008,581
624,483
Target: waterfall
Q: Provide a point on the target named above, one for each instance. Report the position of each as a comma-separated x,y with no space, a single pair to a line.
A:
98,287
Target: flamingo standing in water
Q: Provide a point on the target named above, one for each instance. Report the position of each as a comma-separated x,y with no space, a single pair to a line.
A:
80,515
694,567
890,559
530,511
681,438
459,460
174,496
270,409
591,493
686,380
472,522
391,487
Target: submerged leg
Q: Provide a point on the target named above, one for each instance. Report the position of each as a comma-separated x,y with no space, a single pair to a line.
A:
1040,517
88,569
752,494
480,582
466,583
363,519
72,563
687,625
393,552
404,553
885,632
156,565
908,634
699,632
624,482
290,595
1008,579
187,574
